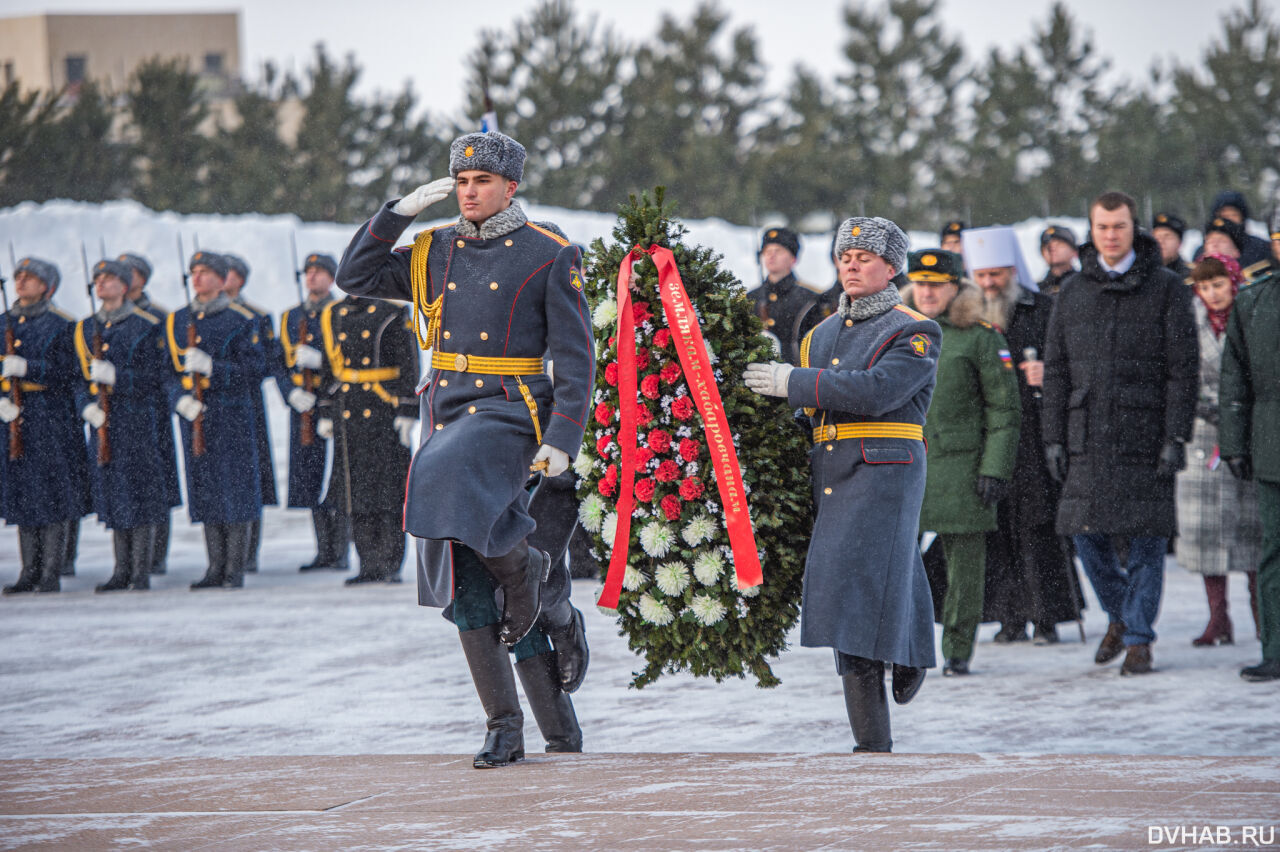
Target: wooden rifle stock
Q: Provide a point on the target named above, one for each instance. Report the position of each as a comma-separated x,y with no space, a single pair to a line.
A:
104,402
308,436
15,394
197,425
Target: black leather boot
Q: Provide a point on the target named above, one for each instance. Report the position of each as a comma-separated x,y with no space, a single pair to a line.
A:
120,574
521,574
255,544
71,549
29,548
552,708
906,682
866,703
160,546
53,555
496,685
215,545
238,543
142,558
564,625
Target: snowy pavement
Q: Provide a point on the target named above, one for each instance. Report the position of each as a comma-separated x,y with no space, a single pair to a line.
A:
298,664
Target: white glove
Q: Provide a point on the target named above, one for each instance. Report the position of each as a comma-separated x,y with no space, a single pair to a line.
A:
404,425
102,372
14,365
423,197
301,401
767,379
189,407
94,415
557,460
308,358
198,361
325,428
8,411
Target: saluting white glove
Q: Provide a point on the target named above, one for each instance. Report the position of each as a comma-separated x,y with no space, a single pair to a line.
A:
308,358
8,411
557,460
423,197
14,365
325,428
301,401
404,425
102,372
767,379
94,415
198,361
189,407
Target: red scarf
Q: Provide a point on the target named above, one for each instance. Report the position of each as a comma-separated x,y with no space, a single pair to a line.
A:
1218,318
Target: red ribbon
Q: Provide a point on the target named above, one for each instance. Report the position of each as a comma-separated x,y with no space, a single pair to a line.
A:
686,336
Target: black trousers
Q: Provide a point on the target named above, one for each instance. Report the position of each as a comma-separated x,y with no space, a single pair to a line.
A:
379,542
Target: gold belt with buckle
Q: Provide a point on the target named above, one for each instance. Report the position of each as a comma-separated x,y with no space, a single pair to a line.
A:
481,364
844,431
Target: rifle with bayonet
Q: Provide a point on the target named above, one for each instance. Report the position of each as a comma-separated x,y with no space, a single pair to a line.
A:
104,399
15,386
197,425
308,433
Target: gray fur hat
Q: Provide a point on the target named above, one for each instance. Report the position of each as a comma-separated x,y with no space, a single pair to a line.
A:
138,263
235,263
118,268
321,261
488,152
42,269
214,262
878,236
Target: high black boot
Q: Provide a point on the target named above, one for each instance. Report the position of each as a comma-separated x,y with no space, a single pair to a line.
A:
120,573
72,549
521,574
160,546
255,544
866,703
143,557
496,685
564,625
552,708
906,682
29,549
53,555
215,545
238,555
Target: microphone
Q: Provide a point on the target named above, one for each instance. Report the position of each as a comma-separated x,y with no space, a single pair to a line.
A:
1030,354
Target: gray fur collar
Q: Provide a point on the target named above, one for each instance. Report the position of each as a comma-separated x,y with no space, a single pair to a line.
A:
498,225
30,311
125,309
215,305
869,306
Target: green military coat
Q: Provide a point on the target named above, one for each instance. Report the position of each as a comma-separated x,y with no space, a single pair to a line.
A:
973,422
1249,396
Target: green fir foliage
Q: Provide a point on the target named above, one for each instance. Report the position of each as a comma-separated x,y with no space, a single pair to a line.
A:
771,451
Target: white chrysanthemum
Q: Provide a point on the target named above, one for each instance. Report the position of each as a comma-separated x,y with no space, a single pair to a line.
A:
698,530
633,579
672,578
582,465
609,528
707,609
708,567
605,314
753,592
655,613
656,539
591,513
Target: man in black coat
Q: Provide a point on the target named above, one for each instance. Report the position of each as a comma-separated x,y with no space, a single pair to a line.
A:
1120,386
1232,206
1058,248
782,301
1168,230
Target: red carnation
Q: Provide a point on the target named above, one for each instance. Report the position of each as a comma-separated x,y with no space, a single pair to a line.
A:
604,414
662,337
611,373
690,449
671,507
603,443
659,441
644,490
609,484
691,489
649,386
642,358
668,471
643,456
613,340
640,312
643,415
682,408
671,372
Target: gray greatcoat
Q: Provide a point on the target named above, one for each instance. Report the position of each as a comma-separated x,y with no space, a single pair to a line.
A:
516,295
1218,525
865,590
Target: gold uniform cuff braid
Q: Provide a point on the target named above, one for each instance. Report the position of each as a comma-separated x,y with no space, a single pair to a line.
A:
845,431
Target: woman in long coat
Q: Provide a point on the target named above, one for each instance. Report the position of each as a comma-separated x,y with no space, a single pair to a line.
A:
1218,525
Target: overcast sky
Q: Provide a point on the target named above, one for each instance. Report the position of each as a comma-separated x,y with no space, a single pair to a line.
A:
427,41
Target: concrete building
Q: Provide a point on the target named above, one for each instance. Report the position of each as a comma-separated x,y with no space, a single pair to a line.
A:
50,52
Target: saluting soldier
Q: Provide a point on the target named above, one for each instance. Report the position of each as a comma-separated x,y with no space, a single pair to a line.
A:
44,486
140,269
369,409
299,375
237,277
219,443
782,300
499,293
123,362
865,382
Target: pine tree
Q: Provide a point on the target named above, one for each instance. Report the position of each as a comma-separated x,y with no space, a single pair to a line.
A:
701,623
170,154
247,160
